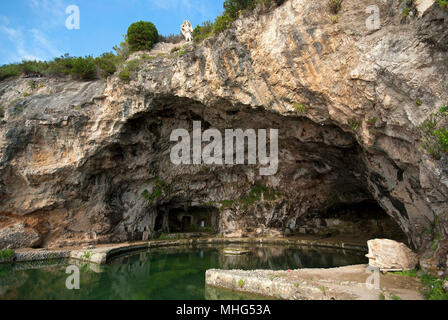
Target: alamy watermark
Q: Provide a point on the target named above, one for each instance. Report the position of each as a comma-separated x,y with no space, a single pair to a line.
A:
373,22
190,151
373,281
74,19
73,281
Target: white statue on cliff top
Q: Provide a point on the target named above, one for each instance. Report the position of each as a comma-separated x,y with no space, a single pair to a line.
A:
187,31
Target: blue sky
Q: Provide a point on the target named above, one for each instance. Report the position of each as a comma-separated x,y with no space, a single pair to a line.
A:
35,29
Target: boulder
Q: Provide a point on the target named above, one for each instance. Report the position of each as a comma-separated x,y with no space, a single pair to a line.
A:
390,255
274,233
18,236
234,234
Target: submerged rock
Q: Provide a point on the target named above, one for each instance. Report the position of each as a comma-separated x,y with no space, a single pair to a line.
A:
235,251
390,255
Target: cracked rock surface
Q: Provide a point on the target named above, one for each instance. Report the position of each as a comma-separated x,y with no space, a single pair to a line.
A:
75,157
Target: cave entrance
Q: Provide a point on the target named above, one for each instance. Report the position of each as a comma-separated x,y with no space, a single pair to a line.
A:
158,226
186,223
362,221
186,219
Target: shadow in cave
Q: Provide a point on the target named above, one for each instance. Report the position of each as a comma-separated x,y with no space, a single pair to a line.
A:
361,221
314,159
186,219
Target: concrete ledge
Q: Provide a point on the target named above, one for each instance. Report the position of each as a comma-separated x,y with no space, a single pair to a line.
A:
37,255
101,254
345,283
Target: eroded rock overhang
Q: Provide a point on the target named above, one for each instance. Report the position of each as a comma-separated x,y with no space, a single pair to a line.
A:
79,174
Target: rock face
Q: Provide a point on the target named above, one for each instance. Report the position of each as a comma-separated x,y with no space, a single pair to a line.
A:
75,157
18,236
389,255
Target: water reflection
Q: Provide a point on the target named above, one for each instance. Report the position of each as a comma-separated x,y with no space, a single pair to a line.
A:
160,273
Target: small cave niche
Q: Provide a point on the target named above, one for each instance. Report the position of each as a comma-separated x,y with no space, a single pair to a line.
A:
363,221
187,219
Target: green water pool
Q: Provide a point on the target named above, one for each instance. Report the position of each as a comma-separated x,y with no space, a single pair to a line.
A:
176,273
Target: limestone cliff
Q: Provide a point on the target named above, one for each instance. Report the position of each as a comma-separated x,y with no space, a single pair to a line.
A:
75,157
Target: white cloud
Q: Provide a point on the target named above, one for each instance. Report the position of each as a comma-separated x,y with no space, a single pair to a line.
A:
16,37
4,20
31,42
42,41
30,45
49,13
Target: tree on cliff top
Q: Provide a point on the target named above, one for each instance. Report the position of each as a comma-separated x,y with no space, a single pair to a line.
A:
142,35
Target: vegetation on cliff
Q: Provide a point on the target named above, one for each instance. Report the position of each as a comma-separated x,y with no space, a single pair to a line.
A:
142,35
443,3
232,10
435,134
83,68
6,255
434,286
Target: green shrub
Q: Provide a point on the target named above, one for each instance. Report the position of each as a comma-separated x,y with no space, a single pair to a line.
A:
9,71
32,84
202,32
2,111
133,65
354,123
122,50
222,23
300,108
405,12
157,192
60,66
434,287
6,254
372,121
26,68
125,75
406,273
232,8
255,194
87,255
435,134
84,68
443,4
335,5
172,38
142,35
107,64
33,68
